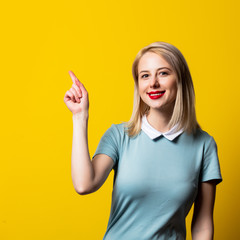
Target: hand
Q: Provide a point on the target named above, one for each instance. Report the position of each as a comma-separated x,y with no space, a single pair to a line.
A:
76,98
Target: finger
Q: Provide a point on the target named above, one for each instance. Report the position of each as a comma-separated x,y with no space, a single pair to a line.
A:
78,83
66,97
83,89
79,93
76,98
71,94
74,78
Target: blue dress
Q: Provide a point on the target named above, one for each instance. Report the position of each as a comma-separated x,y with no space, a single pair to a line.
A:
156,181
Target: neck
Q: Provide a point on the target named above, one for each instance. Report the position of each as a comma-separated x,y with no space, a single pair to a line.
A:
160,119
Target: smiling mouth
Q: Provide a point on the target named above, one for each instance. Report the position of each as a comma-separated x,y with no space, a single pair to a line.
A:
158,93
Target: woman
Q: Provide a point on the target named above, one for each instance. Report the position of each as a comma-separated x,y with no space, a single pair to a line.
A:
163,161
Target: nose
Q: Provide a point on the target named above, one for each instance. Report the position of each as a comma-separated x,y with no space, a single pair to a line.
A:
154,82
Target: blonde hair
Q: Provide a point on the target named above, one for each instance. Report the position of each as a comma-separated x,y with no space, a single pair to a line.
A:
184,109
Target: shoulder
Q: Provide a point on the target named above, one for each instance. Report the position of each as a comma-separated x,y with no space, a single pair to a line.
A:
118,128
117,131
204,139
203,136
199,139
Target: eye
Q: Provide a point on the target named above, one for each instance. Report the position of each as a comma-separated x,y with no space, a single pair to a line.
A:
163,73
144,76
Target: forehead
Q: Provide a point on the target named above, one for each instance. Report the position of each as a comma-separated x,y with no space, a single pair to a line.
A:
151,61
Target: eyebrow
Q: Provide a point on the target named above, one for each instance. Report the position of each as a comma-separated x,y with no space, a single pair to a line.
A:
157,69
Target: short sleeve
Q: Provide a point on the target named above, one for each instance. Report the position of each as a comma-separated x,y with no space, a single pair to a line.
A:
109,144
211,166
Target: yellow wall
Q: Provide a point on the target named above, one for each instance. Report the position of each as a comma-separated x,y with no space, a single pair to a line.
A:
41,41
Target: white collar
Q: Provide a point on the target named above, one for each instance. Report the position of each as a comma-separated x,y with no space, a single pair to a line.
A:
153,133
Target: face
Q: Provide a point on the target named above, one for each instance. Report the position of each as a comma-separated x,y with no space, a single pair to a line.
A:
157,82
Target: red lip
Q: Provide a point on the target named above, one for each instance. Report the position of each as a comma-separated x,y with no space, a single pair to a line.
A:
154,92
156,96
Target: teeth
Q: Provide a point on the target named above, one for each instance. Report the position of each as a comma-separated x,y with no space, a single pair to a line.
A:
155,94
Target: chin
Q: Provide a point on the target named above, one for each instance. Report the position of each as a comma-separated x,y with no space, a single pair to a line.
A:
162,106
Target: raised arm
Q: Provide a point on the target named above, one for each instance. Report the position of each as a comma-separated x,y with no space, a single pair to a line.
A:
202,223
87,175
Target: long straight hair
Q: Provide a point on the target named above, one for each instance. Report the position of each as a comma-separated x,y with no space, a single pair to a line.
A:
184,109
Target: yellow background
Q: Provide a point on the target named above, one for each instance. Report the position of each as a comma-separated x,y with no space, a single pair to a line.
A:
42,40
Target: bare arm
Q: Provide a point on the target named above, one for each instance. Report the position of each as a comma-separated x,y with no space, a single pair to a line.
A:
87,175
81,166
202,223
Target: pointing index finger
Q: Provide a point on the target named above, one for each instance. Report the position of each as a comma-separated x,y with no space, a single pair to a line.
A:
74,78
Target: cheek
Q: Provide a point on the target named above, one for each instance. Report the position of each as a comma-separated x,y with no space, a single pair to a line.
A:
141,87
173,86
